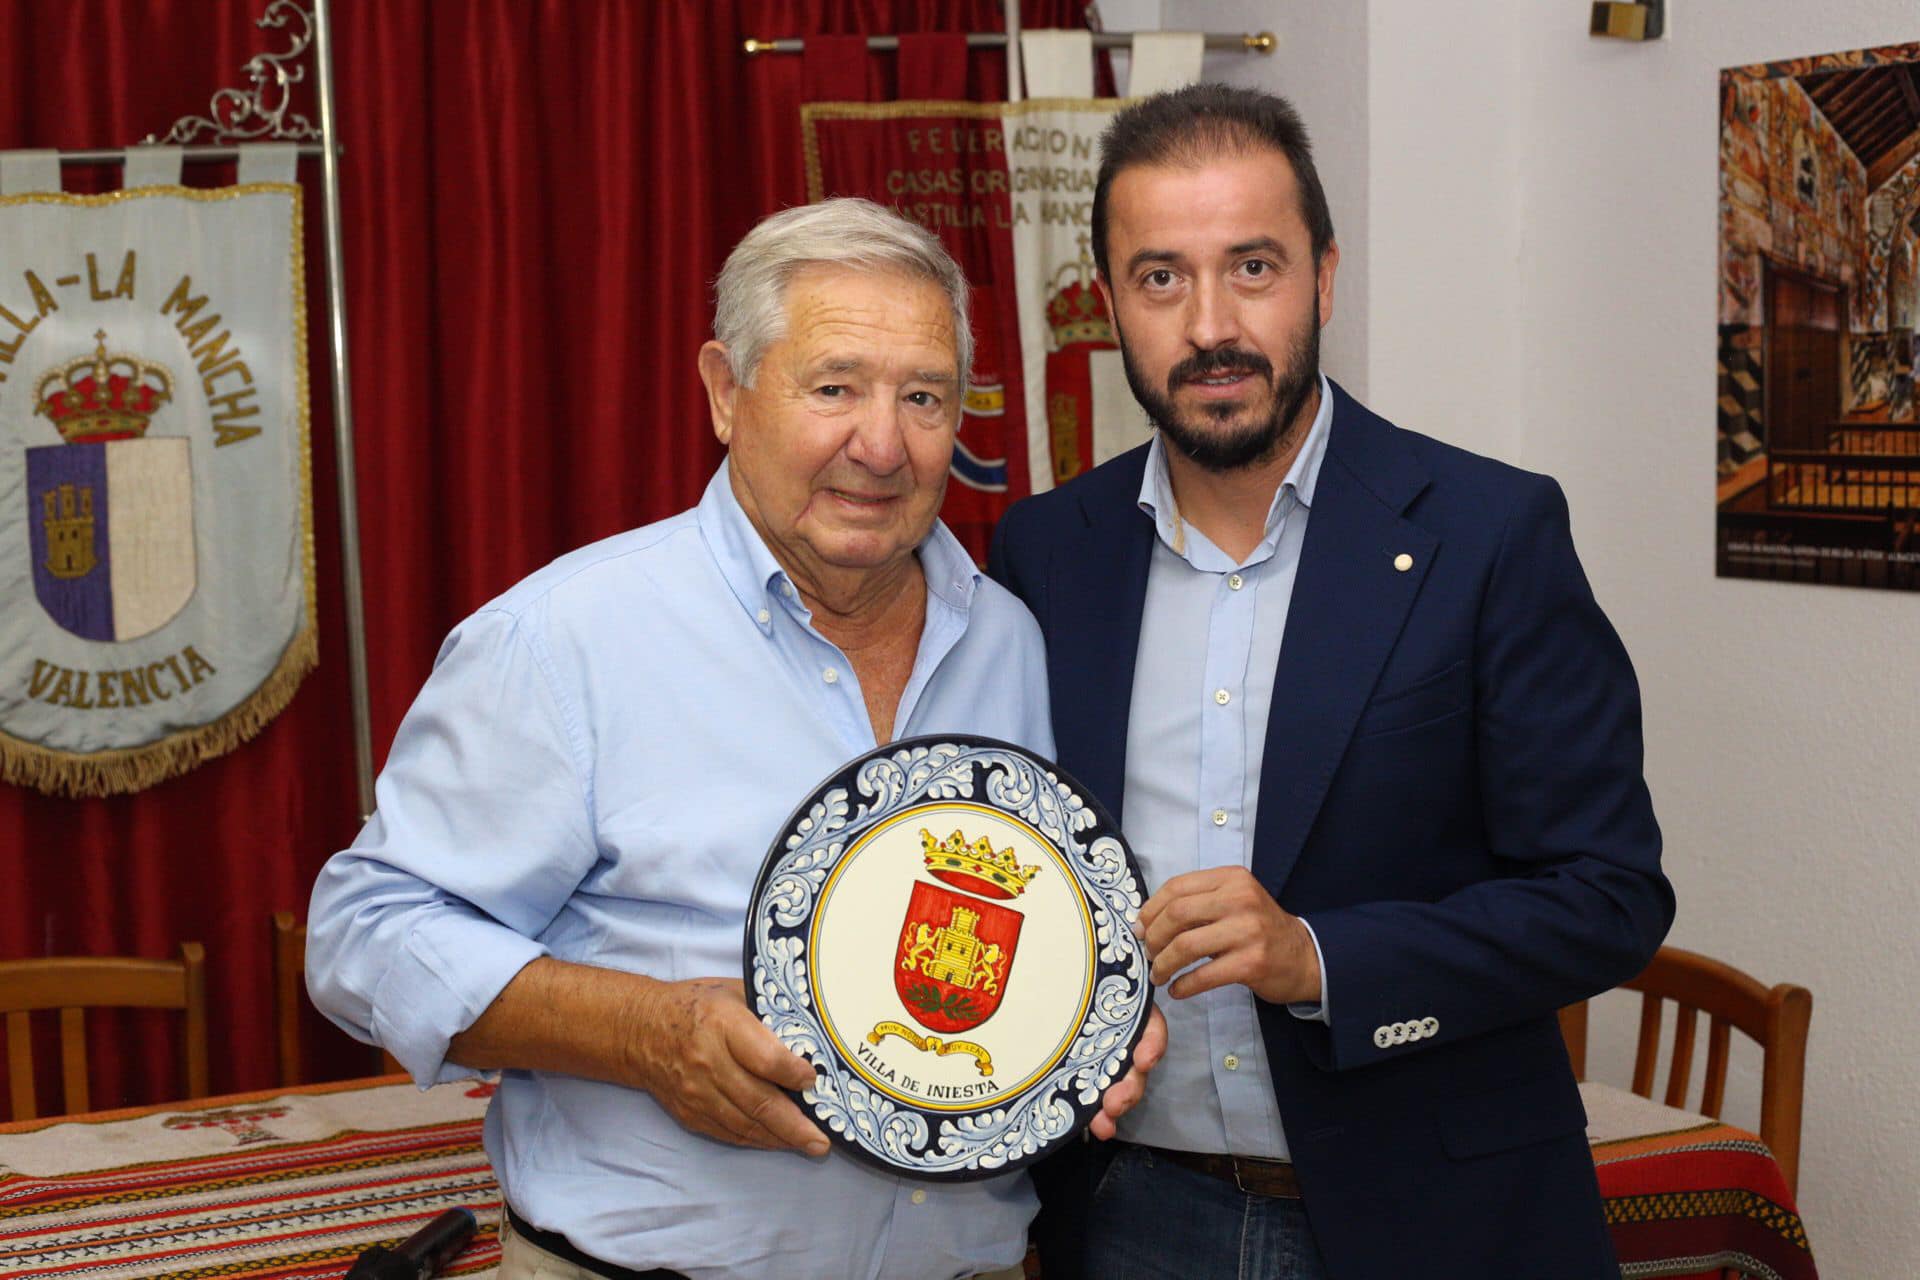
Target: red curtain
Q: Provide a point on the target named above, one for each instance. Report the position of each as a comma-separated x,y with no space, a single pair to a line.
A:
536,197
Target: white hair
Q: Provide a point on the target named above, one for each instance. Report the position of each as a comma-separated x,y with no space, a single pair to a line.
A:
750,296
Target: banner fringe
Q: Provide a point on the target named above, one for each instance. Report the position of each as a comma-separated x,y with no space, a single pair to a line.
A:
108,773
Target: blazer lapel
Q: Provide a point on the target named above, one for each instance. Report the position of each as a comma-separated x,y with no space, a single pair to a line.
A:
1098,587
1349,604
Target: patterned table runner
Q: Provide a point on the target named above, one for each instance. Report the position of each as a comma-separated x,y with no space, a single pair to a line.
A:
1688,1196
292,1184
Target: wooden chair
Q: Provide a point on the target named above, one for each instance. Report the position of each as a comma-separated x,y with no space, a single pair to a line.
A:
1774,1017
74,984
289,985
289,980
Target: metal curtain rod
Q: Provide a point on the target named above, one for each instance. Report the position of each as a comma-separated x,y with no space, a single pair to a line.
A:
191,155
1250,42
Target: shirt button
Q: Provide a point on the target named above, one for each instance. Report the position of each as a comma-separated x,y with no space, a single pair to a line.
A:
1231,1062
830,675
786,589
1219,817
1235,581
920,1195
1222,697
764,617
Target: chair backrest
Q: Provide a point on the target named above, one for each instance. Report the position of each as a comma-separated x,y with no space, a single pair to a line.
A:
289,968
1774,1017
289,984
73,984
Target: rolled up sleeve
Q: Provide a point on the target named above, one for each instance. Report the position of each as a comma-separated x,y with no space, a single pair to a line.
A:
483,831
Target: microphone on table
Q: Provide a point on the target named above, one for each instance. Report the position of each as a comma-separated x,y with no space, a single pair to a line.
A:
422,1254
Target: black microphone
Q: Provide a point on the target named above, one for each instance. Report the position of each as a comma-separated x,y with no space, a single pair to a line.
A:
422,1254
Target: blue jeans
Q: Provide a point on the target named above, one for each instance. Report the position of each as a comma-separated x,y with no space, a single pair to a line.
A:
1148,1218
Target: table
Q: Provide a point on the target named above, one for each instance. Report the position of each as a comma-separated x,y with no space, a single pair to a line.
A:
286,1183
295,1183
1688,1196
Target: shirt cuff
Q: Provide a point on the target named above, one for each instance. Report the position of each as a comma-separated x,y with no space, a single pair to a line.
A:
1312,1010
427,997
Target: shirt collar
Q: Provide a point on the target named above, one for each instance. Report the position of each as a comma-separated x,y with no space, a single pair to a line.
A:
758,582
1156,486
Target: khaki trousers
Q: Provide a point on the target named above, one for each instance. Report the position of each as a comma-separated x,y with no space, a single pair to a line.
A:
521,1259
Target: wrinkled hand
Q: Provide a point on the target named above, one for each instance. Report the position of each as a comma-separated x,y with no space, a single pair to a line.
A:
1125,1094
718,1070
1227,918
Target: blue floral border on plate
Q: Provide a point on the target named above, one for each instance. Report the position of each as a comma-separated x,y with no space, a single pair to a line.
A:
1004,1134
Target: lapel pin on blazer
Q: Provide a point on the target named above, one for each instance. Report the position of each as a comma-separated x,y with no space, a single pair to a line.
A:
1403,562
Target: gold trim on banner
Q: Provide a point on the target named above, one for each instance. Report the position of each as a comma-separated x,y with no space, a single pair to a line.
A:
127,769
812,111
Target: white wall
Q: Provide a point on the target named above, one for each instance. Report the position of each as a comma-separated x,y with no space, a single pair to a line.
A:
1783,721
1323,70
1533,217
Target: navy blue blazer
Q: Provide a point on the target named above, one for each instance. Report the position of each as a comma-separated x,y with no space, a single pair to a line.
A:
1451,793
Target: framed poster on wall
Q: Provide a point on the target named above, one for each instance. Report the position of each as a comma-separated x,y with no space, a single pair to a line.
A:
1817,475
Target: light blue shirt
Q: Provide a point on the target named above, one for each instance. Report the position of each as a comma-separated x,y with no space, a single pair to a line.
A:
1196,734
594,771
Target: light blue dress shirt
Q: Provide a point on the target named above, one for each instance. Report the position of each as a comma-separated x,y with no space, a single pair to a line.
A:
594,771
1196,734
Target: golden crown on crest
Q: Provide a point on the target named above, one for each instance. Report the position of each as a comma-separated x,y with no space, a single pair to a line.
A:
104,396
998,875
1075,311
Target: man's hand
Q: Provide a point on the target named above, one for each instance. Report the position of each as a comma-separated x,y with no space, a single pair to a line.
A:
1125,1094
717,1069
695,1046
1225,917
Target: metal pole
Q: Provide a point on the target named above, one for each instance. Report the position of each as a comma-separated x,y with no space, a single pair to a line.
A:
191,155
1215,42
1015,90
343,416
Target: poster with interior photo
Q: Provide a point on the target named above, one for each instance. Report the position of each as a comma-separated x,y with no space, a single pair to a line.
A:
1817,475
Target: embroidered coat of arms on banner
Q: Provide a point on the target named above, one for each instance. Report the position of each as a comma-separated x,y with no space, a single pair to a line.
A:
156,527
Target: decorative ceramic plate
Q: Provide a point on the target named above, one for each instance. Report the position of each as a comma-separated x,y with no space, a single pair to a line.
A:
941,928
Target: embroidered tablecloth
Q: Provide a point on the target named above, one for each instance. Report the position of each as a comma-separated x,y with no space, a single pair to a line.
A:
297,1183
288,1184
1689,1196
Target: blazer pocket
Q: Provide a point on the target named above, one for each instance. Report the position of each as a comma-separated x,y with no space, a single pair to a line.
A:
1433,697
1515,1116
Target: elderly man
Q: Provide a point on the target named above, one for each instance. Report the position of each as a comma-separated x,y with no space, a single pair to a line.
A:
574,810
1378,750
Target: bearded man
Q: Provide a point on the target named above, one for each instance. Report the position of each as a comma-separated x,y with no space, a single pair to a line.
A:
1377,750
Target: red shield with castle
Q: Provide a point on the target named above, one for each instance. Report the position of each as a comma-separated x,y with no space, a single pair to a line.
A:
956,948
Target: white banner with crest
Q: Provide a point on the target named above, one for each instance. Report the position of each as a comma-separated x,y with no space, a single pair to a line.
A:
156,526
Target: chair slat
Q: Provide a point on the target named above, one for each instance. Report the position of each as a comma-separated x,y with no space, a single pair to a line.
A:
1783,1077
289,959
1681,1072
193,983
73,1059
20,1066
1646,1054
1713,1087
